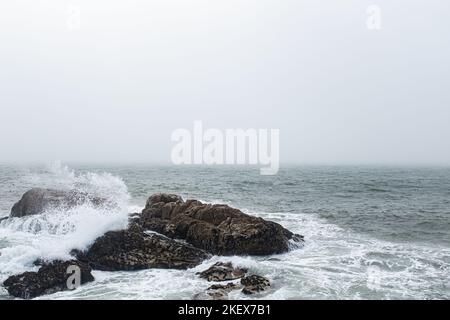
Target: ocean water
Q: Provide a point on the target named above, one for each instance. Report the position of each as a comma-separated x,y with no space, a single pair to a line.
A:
371,232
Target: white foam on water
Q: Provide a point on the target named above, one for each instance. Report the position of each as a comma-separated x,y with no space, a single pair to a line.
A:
53,234
62,177
341,264
333,264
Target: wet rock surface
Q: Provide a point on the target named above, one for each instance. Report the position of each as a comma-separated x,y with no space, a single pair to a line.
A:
134,249
37,200
50,278
218,229
222,271
220,292
254,284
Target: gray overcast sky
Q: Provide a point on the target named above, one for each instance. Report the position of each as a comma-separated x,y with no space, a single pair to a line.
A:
114,89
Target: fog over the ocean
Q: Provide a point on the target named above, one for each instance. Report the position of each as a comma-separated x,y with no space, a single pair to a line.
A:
109,81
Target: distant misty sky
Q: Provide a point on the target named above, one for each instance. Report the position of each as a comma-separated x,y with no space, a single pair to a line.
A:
113,87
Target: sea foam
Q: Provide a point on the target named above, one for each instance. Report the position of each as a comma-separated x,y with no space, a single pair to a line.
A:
54,233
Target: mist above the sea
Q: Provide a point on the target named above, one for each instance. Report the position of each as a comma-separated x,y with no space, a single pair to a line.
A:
113,87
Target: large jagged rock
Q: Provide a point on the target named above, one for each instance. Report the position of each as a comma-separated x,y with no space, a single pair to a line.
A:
37,200
218,229
51,277
134,249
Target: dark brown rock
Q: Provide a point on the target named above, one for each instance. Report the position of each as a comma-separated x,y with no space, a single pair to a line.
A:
254,284
221,271
220,292
218,229
133,249
163,198
217,291
37,200
51,277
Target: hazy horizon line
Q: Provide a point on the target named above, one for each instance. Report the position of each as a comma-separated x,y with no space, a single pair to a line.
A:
169,164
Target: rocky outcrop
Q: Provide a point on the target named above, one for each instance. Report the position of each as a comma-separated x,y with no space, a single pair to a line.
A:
51,277
188,232
219,291
163,198
37,200
218,229
134,249
222,271
254,284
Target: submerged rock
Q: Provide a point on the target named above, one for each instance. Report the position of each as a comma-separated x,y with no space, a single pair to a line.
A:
37,200
218,229
221,271
254,284
220,292
134,249
51,277
250,285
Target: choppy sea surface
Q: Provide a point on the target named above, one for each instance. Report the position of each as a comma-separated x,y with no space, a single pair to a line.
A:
371,232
